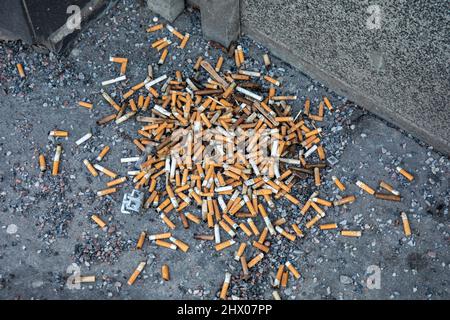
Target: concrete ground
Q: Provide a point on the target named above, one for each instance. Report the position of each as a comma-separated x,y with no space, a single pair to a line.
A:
44,221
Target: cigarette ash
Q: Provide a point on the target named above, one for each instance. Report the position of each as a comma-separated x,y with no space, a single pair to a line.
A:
77,78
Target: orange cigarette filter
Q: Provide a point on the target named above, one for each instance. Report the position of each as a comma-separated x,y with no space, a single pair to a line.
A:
90,167
338,183
240,251
59,133
98,221
292,269
86,105
405,173
20,70
406,226
226,284
165,244
163,56
102,153
328,226
184,41
219,64
105,192
141,240
225,244
365,187
345,200
328,103
350,233
42,165
116,182
165,272
155,27
136,273
279,275
255,260
284,279
56,160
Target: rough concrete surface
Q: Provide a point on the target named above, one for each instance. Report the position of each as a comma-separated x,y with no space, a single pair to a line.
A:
395,65
45,223
220,20
168,9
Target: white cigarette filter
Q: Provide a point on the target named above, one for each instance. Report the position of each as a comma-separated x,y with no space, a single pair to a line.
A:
118,79
83,139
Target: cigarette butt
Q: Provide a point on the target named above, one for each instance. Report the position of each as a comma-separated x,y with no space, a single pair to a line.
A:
266,59
59,133
205,237
141,240
105,192
165,244
184,41
159,236
155,27
276,295
193,218
56,160
284,279
90,167
292,269
338,183
118,60
405,173
240,251
317,177
98,221
86,105
255,260
327,103
106,119
389,197
272,80
328,226
406,226
285,234
102,153
83,139
42,164
136,273
350,233
20,70
322,202
165,272
313,221
180,244
246,230
345,200
279,275
163,56
261,247
219,64
253,226
226,284
389,188
225,244
106,171
297,230
116,182
84,279
167,221
244,265
365,187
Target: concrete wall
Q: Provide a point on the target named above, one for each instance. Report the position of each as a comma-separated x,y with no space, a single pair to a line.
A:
396,66
392,58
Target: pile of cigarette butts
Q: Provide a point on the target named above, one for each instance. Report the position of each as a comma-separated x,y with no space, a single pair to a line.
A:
223,144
